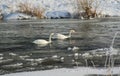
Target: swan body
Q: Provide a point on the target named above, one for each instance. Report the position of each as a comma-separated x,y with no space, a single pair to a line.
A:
42,41
61,36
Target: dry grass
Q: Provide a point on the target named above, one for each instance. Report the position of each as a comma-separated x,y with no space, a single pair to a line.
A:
85,3
89,9
28,9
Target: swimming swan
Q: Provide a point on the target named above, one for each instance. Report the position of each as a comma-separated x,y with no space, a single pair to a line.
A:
42,41
62,37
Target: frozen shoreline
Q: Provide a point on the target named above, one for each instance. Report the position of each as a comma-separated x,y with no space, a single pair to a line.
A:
55,8
80,71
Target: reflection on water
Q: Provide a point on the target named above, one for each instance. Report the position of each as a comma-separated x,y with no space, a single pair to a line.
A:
18,53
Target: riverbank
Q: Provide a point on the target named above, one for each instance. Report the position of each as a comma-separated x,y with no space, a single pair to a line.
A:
54,9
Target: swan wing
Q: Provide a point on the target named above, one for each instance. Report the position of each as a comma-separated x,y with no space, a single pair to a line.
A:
40,41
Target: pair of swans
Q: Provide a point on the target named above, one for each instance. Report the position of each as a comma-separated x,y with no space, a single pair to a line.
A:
56,36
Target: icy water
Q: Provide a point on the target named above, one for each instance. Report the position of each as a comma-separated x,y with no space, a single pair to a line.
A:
18,53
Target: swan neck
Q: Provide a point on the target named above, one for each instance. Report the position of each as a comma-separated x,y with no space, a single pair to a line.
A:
113,40
50,38
70,34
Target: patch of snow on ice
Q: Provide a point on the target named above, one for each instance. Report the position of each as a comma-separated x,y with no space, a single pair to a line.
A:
81,71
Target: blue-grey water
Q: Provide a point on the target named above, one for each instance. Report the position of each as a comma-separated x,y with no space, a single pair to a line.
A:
18,53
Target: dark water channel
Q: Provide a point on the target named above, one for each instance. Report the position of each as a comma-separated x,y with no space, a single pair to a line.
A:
18,53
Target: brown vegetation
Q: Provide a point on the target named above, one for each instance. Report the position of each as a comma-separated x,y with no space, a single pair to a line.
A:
28,9
1,16
88,8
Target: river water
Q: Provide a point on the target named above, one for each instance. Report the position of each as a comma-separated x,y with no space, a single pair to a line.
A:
18,53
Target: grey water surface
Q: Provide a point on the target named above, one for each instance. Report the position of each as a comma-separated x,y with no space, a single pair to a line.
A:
18,53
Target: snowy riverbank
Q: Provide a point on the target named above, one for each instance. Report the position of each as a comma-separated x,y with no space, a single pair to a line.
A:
55,8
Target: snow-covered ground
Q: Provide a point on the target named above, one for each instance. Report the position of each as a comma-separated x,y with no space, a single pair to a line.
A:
110,7
56,8
81,71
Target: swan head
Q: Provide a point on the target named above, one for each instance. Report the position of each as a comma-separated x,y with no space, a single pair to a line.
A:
72,31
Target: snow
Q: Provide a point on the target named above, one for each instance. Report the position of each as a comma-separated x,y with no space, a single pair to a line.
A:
110,7
16,16
57,8
58,14
80,71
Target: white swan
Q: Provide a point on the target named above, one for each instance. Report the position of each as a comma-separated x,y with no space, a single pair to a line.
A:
61,36
42,41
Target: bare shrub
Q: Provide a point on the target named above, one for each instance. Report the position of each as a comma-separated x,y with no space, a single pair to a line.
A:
27,8
89,7
1,16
